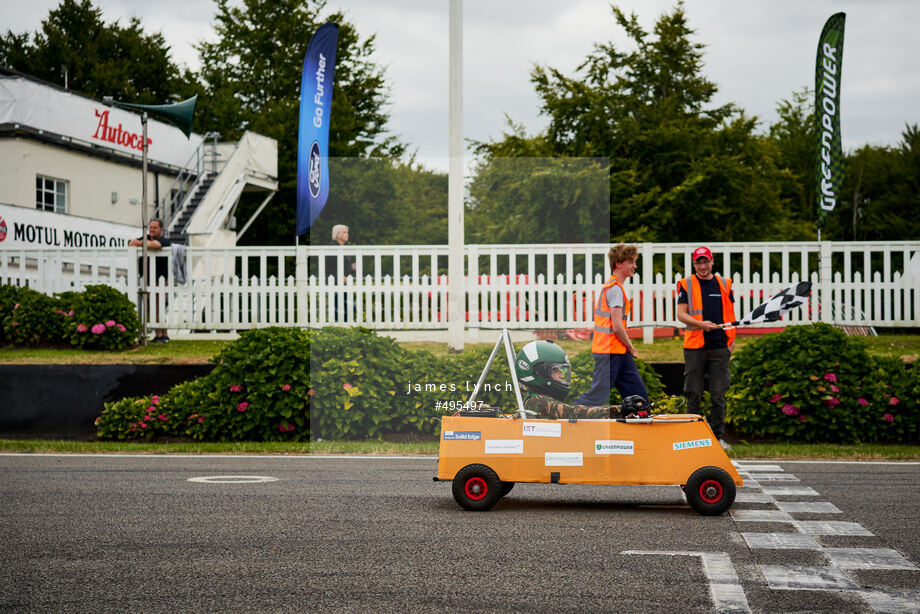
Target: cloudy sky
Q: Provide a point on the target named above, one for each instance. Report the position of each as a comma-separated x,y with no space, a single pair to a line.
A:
757,52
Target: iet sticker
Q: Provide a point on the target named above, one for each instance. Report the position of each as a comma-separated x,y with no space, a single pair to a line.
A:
562,459
462,435
542,429
614,446
698,443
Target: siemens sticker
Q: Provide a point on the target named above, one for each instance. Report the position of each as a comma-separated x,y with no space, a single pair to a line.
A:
462,435
697,443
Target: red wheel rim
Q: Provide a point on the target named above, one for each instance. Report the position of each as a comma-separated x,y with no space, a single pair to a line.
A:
476,488
710,491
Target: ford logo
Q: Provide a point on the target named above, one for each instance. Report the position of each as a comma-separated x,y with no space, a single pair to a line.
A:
313,174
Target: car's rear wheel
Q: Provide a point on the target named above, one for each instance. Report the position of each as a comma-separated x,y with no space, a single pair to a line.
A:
710,491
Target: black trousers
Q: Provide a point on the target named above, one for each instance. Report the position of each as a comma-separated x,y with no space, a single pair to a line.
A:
700,365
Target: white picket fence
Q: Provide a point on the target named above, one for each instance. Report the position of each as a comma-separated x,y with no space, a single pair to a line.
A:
529,287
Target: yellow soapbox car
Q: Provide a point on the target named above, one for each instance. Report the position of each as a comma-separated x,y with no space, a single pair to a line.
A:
484,453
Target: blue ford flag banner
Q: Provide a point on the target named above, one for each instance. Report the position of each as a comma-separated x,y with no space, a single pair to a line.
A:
313,136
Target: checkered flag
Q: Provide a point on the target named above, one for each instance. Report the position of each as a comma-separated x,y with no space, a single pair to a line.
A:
779,303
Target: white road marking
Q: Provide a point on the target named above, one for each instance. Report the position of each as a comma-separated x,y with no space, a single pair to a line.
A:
805,578
777,477
782,491
724,586
780,541
761,516
753,497
233,479
893,601
756,468
808,507
868,558
832,527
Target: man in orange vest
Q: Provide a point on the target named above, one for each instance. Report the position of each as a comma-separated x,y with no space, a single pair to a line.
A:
704,302
612,349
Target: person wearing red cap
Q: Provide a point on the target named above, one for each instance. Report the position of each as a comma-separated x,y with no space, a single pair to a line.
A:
704,302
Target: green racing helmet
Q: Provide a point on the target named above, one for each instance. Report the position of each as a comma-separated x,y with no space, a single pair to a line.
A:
543,367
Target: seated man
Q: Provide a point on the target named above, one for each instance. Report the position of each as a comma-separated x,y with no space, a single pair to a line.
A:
543,370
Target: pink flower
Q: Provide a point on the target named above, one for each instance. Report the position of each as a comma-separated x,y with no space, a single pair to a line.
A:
155,399
242,406
151,409
862,401
163,417
82,328
893,401
193,416
69,314
790,410
143,425
98,329
200,420
16,306
133,427
285,428
286,387
830,377
121,327
776,397
310,392
888,418
347,386
832,402
110,323
236,388
834,388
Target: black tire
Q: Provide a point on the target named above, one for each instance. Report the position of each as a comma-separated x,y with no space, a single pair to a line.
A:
477,488
710,491
506,487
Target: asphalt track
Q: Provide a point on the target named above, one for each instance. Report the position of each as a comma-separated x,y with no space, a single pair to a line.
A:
133,534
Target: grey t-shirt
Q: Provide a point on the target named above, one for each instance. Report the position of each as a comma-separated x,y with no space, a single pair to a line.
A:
615,297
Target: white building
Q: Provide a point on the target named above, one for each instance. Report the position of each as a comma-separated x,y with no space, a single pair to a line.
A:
70,173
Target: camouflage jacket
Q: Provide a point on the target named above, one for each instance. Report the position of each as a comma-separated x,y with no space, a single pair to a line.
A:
548,407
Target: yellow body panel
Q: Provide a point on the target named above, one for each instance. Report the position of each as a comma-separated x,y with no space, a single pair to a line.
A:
665,451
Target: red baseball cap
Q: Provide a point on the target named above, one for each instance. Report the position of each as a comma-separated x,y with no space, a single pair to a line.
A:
702,252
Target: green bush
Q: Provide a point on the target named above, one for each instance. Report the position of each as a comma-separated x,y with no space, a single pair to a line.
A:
103,318
814,383
9,297
33,319
334,383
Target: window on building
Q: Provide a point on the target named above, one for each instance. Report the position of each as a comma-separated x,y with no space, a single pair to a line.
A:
50,194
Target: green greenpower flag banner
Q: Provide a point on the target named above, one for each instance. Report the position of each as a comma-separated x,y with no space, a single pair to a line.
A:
829,168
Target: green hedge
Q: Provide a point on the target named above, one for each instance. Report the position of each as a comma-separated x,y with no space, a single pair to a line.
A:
100,317
813,383
354,384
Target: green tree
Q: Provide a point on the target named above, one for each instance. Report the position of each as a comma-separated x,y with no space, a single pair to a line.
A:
793,134
252,73
881,193
681,169
98,58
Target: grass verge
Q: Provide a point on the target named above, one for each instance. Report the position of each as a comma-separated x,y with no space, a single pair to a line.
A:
773,451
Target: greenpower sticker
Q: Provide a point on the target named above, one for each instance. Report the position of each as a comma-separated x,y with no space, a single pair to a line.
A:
696,443
614,446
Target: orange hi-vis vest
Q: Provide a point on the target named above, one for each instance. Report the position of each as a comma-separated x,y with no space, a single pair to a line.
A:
605,342
693,338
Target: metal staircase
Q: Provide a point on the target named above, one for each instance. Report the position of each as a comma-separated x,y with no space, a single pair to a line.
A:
196,195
